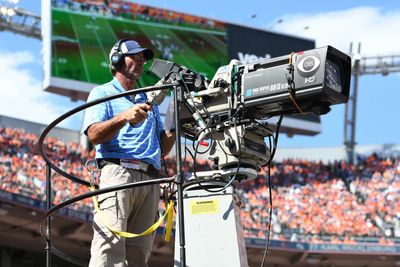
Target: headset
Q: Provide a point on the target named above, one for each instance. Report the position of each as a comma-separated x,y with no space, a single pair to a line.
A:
117,57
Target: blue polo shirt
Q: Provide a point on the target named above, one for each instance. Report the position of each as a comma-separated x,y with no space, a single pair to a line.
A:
141,141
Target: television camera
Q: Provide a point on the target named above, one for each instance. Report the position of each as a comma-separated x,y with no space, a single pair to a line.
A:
230,110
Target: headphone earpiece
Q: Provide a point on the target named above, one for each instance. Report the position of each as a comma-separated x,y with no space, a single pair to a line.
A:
117,57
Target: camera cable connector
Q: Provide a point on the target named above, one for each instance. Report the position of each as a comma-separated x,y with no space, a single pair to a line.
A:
290,80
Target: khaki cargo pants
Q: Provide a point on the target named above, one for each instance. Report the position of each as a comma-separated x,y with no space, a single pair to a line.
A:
132,210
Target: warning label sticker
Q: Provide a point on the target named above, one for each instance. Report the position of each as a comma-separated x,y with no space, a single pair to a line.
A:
208,206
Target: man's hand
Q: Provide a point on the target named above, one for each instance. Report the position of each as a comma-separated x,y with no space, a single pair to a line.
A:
135,114
101,132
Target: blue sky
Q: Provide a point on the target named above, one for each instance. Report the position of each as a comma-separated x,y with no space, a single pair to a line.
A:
338,23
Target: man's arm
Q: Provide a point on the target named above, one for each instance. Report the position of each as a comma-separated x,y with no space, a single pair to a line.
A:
102,132
167,142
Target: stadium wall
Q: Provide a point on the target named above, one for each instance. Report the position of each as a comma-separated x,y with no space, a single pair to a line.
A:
37,128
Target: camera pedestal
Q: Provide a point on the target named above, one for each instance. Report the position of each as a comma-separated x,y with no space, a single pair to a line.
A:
213,229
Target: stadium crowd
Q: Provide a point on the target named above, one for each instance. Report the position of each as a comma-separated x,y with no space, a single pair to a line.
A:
312,201
326,202
129,10
23,171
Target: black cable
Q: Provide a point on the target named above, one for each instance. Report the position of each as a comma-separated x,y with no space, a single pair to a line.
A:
278,126
270,215
187,150
187,184
270,144
208,147
237,168
232,178
275,141
195,156
239,109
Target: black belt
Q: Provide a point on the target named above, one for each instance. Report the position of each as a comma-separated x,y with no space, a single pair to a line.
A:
143,167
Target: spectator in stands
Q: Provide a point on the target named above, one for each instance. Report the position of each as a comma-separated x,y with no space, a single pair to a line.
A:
129,138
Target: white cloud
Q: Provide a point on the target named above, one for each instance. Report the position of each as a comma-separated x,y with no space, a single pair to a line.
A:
376,29
21,95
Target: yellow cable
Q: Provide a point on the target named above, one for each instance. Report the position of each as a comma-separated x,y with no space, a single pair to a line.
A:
291,58
290,93
151,229
295,103
168,230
